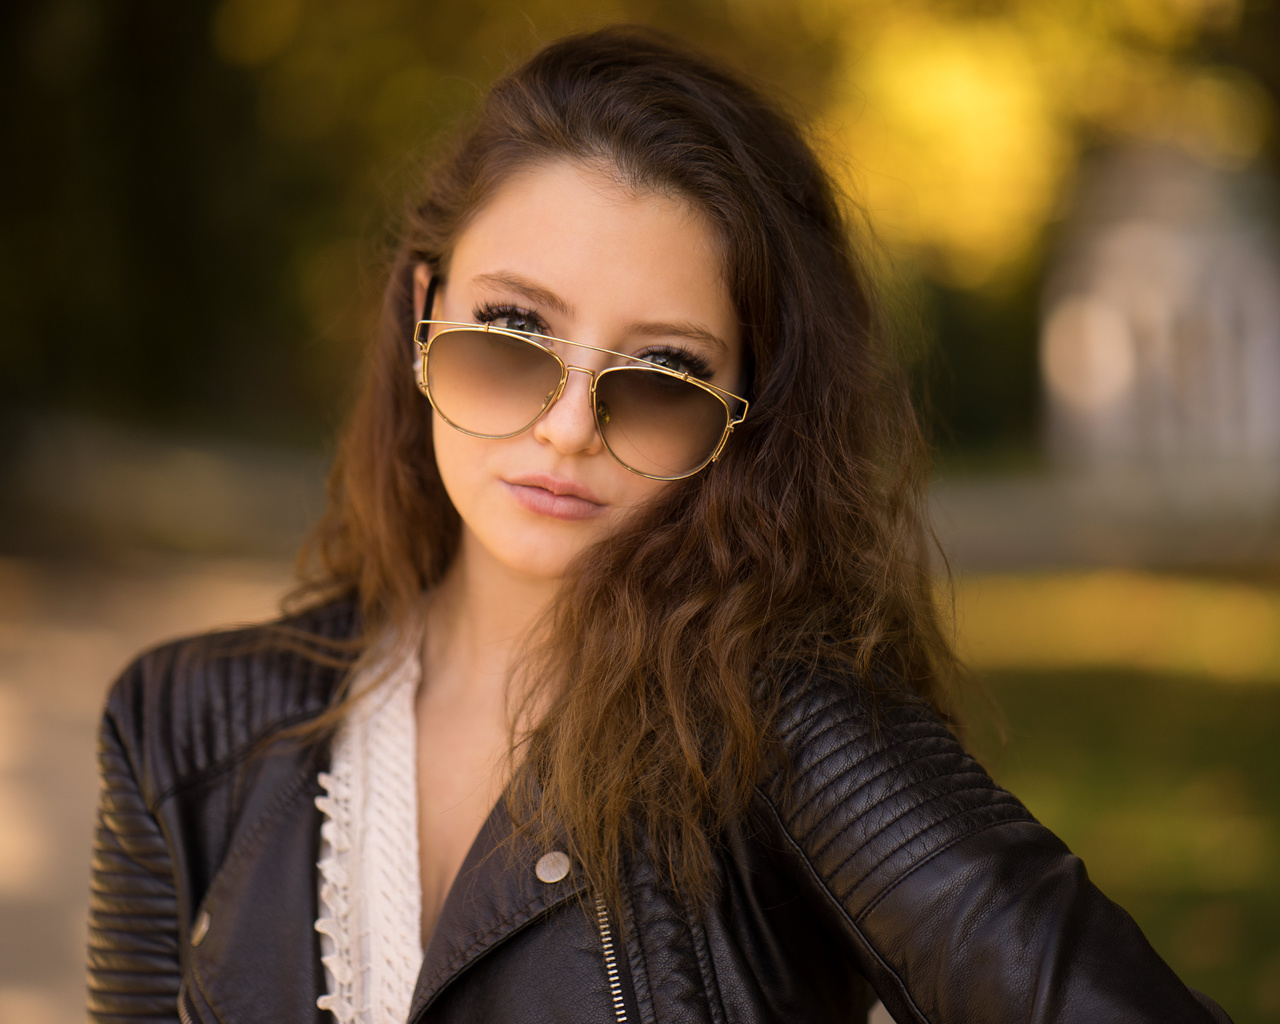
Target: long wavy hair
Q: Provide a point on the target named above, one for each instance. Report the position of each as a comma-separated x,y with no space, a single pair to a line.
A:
805,548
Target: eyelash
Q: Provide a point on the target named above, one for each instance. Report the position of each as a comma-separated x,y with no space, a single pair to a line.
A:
690,362
694,364
488,313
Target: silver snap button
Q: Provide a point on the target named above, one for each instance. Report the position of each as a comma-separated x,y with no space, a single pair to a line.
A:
200,929
552,866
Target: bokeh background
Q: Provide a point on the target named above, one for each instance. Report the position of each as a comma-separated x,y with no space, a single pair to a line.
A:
1073,210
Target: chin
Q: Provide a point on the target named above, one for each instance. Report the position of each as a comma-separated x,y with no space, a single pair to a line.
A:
535,554
546,566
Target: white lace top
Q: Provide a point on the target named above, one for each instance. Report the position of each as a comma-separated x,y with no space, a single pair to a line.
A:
370,892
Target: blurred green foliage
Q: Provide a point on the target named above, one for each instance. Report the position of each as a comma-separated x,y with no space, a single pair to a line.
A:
195,199
1169,789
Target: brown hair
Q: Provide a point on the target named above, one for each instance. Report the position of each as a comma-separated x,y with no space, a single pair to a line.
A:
804,548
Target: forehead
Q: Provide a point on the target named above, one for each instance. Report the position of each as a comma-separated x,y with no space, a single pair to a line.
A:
579,232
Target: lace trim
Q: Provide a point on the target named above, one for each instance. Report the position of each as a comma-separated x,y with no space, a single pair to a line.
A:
370,895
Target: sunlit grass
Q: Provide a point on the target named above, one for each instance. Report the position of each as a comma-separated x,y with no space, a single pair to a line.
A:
1227,631
1169,788
1142,714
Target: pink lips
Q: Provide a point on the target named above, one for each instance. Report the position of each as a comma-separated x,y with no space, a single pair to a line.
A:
560,499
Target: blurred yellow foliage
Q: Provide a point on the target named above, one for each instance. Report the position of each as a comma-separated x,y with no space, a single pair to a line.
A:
254,31
1120,619
959,132
952,140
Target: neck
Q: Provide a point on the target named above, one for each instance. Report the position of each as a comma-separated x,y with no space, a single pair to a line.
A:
479,617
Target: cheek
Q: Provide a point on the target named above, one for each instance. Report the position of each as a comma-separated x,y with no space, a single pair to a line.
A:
459,459
634,491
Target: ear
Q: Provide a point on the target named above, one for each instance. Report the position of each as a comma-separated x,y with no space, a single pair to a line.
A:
421,281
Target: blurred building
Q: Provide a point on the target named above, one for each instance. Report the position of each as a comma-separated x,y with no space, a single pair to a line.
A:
1160,343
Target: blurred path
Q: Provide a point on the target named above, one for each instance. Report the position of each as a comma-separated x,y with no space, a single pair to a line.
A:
1204,518
66,630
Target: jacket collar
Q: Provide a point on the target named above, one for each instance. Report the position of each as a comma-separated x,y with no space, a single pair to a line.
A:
262,906
496,894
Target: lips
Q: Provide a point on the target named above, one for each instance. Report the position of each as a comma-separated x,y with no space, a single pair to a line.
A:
550,496
555,487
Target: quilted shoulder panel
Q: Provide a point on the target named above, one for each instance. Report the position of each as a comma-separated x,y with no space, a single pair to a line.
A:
187,710
870,797
133,971
957,904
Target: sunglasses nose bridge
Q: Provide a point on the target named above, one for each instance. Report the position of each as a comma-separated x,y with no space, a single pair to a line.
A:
564,384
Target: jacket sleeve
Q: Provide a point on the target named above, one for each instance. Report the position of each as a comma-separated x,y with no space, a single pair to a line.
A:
133,912
956,903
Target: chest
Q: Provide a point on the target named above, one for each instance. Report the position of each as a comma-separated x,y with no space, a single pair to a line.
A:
511,947
460,756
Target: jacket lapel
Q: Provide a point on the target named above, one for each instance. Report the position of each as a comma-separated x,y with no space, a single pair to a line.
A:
260,908
496,894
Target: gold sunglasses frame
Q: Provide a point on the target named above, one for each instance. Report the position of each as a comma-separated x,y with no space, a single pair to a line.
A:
536,340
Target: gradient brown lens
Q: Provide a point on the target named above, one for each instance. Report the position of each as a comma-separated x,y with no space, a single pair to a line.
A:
657,423
489,383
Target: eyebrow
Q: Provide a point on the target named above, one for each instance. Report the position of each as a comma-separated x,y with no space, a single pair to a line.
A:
640,328
676,329
528,289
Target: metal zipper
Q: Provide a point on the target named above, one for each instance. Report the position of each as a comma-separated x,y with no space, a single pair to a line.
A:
183,1013
610,962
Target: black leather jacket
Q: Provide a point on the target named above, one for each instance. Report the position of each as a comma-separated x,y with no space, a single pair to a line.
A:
882,860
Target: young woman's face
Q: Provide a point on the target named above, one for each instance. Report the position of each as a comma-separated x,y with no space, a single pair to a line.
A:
562,250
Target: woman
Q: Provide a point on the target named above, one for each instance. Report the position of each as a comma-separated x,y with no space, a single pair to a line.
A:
647,716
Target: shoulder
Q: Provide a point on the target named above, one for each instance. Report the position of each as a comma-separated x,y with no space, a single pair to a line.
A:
871,786
188,708
820,716
912,848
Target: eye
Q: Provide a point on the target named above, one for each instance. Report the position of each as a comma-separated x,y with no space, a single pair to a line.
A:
678,360
511,318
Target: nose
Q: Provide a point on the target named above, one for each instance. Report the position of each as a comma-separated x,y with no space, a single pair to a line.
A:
569,425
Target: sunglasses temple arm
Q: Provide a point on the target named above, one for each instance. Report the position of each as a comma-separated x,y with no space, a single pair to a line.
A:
428,302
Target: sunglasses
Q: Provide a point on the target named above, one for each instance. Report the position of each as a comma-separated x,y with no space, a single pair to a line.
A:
496,383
